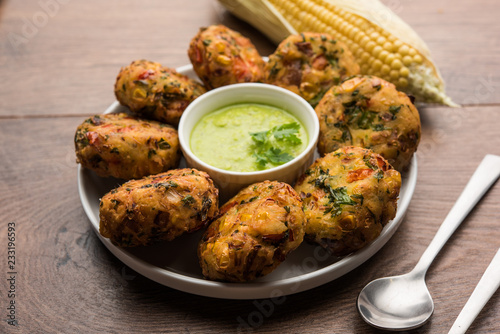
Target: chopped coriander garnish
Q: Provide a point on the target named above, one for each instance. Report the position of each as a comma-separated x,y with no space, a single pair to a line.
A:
394,109
338,197
287,132
369,164
188,200
277,157
115,202
315,100
379,127
265,150
163,144
333,60
253,199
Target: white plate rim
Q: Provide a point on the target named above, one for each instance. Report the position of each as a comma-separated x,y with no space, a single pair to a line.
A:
251,290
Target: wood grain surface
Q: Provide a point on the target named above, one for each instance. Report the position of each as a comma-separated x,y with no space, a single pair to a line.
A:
64,69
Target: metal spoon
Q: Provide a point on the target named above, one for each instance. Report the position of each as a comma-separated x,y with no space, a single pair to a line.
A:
403,302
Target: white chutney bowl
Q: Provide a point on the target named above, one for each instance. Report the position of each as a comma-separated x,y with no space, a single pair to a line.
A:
230,182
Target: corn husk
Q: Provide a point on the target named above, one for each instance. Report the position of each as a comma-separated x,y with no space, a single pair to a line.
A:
423,81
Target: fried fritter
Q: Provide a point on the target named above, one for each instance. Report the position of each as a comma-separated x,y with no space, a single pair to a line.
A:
156,92
369,112
309,64
158,207
221,56
253,234
349,195
126,147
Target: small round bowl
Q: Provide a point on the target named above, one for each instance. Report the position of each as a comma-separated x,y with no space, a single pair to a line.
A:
230,182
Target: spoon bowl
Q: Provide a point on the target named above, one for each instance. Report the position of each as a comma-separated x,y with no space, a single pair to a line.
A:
403,302
400,302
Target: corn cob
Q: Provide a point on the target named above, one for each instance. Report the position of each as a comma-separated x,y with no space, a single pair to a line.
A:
381,42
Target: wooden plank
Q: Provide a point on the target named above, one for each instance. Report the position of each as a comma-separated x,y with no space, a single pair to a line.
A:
69,65
64,59
68,282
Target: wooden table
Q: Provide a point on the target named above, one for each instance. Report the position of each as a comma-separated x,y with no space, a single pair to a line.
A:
58,62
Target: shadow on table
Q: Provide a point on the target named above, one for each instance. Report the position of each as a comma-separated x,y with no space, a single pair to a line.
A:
188,311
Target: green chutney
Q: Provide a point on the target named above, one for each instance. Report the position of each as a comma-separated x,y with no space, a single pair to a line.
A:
248,137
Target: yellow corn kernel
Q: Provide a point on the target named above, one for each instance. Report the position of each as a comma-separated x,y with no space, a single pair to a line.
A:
394,74
370,46
329,30
396,64
407,60
402,82
385,69
403,50
364,40
322,26
354,32
350,86
374,35
383,55
224,60
140,93
358,22
417,59
263,215
388,46
390,59
245,217
412,52
364,56
357,51
377,64
376,50
220,46
404,72
347,223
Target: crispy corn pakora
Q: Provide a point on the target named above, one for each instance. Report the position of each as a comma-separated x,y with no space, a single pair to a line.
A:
309,64
156,92
126,147
369,112
158,207
253,234
221,56
349,195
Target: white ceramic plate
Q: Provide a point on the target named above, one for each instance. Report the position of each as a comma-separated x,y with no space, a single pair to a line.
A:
175,264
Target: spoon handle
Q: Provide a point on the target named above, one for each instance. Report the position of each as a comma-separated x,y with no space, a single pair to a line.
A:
482,179
486,287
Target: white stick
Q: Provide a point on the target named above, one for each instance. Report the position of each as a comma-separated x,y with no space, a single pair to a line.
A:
486,287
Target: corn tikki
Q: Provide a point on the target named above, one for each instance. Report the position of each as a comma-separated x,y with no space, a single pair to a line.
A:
383,46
